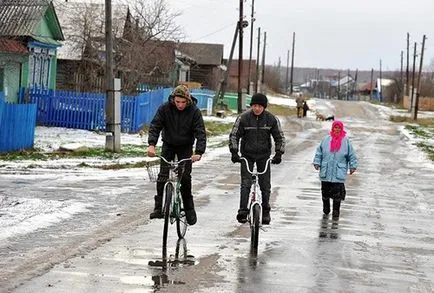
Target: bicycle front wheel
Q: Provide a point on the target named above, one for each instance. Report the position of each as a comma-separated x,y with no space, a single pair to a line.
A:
168,193
181,221
254,227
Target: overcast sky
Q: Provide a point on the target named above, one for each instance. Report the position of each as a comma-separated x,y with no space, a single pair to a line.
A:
329,34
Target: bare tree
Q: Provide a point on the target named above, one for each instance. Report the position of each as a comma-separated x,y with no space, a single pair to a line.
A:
148,54
145,33
272,78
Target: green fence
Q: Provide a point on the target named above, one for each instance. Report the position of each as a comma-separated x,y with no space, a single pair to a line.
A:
231,99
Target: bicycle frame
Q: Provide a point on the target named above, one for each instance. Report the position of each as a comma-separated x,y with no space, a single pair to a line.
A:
255,204
176,199
173,178
255,198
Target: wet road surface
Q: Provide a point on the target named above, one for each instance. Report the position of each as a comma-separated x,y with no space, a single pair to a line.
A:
383,241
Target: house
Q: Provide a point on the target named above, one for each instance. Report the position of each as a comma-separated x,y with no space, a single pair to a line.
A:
387,89
140,61
207,68
233,74
81,59
30,37
344,87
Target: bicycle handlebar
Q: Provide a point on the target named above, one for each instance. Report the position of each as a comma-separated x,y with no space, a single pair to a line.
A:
173,163
267,164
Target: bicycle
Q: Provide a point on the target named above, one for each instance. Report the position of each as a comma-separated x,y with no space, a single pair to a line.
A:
173,206
173,262
255,205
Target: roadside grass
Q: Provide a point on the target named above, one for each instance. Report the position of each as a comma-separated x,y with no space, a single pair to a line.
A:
280,110
213,128
419,121
425,136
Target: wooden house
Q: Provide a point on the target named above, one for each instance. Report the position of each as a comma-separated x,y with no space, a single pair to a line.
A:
207,68
30,36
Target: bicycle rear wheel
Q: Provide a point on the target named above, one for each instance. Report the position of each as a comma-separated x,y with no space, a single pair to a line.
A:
254,227
181,221
167,209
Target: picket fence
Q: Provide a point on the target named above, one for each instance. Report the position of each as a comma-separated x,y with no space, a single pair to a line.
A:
87,110
17,126
77,110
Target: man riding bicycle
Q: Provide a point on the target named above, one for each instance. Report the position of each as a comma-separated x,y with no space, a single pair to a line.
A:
255,128
181,123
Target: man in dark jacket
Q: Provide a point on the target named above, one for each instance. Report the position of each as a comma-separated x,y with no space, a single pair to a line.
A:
255,128
180,122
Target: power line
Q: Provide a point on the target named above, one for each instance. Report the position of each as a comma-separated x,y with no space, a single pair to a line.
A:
217,31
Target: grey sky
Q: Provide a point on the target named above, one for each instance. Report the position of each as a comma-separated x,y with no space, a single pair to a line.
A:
329,34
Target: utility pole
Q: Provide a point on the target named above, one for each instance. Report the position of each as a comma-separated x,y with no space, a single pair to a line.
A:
372,84
339,84
240,58
263,61
292,64
348,83
413,77
407,78
401,77
380,87
257,61
279,69
112,110
252,20
287,73
220,97
416,104
355,84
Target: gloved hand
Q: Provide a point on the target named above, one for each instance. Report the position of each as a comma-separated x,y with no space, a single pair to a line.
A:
277,159
235,158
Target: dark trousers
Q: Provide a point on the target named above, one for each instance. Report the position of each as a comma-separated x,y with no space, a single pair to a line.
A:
264,181
299,111
335,191
181,152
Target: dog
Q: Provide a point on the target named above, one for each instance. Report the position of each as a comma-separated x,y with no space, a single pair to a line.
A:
330,118
320,116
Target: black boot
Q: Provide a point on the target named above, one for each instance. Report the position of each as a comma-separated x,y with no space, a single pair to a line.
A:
190,213
326,206
336,208
157,213
242,215
266,218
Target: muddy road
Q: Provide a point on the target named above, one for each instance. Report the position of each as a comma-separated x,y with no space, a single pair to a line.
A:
383,241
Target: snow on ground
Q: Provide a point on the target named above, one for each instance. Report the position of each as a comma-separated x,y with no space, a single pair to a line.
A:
22,215
48,139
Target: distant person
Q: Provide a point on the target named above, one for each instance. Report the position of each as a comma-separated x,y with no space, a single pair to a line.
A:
254,128
305,108
299,101
180,123
333,157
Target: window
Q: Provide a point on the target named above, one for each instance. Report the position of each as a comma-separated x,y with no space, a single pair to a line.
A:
39,68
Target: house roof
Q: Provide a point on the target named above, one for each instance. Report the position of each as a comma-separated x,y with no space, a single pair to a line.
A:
204,54
366,86
385,81
233,70
79,19
342,82
12,46
22,18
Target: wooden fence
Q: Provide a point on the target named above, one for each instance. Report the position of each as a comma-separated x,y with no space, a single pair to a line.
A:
87,110
77,110
17,126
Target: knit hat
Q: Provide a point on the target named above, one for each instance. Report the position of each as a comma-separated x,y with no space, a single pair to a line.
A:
182,91
259,99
